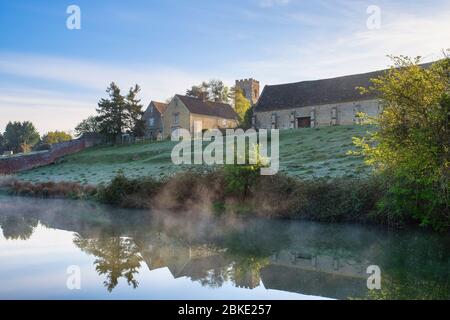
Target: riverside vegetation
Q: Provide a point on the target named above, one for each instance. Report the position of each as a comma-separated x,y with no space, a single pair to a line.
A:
408,151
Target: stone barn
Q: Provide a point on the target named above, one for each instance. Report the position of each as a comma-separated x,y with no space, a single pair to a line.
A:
325,102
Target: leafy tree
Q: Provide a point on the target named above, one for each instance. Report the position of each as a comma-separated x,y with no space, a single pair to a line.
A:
198,91
53,137
20,137
412,143
219,92
247,122
215,90
89,125
241,104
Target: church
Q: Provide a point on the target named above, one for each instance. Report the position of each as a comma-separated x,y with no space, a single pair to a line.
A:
326,102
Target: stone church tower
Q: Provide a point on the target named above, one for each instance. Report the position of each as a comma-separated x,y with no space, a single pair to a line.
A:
250,88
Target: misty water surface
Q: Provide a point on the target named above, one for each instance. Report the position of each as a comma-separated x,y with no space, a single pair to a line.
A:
129,254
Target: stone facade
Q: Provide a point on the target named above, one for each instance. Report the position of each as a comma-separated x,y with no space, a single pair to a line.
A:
153,120
323,102
315,116
176,116
250,89
179,114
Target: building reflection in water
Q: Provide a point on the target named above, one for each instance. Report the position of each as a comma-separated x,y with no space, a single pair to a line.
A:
300,257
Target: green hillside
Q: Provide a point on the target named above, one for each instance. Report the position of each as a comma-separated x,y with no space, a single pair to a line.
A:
304,153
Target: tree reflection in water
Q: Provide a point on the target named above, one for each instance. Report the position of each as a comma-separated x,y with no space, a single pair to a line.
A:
302,257
117,257
18,227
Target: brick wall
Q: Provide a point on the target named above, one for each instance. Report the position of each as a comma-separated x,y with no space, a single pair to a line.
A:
29,161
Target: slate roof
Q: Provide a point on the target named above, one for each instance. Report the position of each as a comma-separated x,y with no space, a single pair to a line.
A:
208,108
317,92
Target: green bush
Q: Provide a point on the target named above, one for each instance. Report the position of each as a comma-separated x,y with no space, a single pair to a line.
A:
119,190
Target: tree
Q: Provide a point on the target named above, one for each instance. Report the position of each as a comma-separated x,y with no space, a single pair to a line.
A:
118,113
20,137
116,257
412,143
53,137
247,123
213,90
89,125
199,91
219,92
2,143
135,112
241,104
111,112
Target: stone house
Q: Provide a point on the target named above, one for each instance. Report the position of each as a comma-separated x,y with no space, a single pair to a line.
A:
326,102
184,111
153,120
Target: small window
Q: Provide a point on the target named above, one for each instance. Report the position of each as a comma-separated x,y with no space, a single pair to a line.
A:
176,118
151,122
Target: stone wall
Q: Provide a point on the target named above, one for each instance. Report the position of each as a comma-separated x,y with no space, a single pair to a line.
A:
175,106
23,162
323,115
209,122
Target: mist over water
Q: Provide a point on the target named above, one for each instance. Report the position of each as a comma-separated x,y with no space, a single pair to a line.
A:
135,254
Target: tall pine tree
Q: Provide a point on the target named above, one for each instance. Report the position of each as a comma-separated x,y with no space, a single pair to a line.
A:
135,122
111,112
118,114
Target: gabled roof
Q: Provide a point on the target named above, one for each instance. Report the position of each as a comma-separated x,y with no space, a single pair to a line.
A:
317,92
160,106
208,108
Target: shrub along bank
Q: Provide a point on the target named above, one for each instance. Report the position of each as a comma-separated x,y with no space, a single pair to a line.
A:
228,192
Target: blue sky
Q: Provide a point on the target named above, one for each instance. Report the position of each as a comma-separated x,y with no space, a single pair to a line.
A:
54,76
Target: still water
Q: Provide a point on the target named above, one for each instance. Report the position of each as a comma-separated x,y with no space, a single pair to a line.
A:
48,247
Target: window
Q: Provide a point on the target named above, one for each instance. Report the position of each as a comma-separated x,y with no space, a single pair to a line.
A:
151,122
176,118
151,109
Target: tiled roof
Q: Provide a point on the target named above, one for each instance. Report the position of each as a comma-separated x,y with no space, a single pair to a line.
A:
318,92
160,106
209,108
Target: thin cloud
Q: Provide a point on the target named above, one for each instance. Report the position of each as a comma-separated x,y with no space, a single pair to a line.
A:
271,3
356,49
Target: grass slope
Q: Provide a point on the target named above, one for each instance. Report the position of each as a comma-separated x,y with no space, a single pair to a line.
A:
304,153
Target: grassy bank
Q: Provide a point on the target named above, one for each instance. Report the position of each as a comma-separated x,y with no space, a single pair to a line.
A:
305,154
325,200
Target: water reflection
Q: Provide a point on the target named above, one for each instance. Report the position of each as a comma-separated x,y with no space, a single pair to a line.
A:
300,257
116,257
